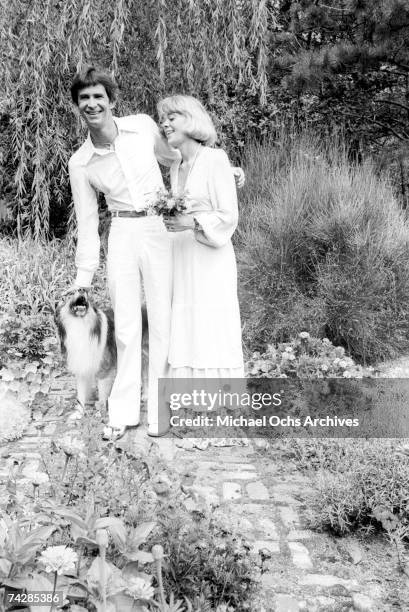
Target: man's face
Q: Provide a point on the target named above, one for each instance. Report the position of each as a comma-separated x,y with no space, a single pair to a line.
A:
94,106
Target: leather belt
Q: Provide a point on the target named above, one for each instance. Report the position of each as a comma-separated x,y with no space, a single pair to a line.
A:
129,213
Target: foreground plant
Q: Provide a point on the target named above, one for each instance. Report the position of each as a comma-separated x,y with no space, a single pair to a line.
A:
304,357
18,549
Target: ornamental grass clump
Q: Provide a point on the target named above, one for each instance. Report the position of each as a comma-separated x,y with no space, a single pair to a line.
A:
358,486
323,247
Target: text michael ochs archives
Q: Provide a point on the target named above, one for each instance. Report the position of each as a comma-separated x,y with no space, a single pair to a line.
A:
262,421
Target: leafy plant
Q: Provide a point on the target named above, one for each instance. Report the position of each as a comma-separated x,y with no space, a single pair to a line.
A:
304,357
205,561
357,486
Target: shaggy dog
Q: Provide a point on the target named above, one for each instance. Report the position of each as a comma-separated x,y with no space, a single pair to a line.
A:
87,338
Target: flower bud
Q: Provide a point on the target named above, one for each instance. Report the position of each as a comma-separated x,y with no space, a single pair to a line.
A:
157,552
102,538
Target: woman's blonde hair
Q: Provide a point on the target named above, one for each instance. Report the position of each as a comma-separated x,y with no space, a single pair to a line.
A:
199,125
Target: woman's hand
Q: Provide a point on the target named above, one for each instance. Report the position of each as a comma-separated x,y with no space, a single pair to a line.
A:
179,223
239,176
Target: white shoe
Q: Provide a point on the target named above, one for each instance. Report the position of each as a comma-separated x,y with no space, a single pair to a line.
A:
112,434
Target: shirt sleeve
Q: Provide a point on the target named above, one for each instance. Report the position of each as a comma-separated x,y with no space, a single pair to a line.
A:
86,211
163,152
217,225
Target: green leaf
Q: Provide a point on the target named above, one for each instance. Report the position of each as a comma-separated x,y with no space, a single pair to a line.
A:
139,555
140,534
77,532
73,517
115,527
5,566
131,570
41,534
125,603
86,541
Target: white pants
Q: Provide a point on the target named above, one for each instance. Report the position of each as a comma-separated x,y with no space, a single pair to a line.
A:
139,247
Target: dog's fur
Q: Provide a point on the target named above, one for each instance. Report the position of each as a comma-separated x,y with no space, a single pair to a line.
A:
87,338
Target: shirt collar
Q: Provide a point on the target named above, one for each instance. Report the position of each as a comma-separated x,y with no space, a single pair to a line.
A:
88,148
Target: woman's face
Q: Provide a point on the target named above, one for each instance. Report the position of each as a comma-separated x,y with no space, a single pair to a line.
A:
174,125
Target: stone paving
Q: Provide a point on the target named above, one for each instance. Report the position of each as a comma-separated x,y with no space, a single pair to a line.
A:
261,497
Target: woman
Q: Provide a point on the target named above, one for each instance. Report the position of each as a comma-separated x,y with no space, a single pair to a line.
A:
205,330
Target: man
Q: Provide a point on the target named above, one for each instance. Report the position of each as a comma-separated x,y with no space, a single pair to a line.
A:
120,159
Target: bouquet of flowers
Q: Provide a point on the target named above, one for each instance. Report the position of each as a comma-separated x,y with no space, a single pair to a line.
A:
167,205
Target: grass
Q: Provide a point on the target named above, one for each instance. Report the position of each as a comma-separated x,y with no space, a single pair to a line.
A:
323,247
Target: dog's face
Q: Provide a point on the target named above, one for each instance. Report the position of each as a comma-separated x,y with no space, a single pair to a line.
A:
78,303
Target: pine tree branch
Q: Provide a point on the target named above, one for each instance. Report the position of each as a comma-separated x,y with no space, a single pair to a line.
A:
388,128
398,104
336,8
404,136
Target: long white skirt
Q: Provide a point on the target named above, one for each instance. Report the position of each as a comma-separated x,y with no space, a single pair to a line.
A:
205,338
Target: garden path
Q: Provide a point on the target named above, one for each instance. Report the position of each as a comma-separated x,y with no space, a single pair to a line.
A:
254,490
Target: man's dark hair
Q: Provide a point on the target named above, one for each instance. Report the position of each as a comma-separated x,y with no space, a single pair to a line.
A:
89,77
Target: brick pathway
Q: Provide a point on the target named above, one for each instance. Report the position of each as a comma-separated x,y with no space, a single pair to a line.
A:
266,505
260,495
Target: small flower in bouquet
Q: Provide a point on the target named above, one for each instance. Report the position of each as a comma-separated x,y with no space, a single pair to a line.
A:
59,559
167,205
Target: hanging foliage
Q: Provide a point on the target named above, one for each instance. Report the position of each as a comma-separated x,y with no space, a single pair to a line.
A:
202,47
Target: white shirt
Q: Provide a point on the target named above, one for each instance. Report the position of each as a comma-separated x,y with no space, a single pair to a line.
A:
127,173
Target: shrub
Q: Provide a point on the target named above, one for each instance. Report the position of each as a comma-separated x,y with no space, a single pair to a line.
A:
359,484
323,247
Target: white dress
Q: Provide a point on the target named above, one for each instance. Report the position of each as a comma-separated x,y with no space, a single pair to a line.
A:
205,339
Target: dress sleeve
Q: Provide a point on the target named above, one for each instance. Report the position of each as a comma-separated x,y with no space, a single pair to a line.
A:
217,225
86,211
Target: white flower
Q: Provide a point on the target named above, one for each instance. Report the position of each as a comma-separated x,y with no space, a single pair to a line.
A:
324,367
138,588
336,361
71,446
289,349
304,335
347,374
60,559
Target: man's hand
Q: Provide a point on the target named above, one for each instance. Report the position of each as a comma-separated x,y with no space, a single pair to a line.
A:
239,176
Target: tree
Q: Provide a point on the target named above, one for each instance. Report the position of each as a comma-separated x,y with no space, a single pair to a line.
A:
347,63
203,47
